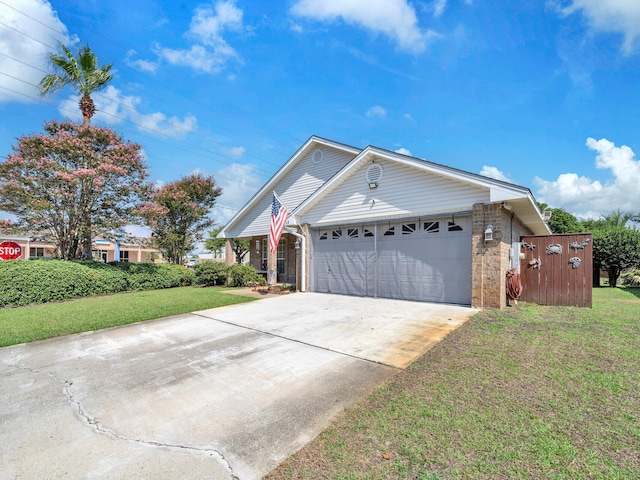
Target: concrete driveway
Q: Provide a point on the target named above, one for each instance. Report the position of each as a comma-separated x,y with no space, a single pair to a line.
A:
218,394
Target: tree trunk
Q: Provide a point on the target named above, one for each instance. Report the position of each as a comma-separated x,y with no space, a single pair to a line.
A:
88,109
85,253
596,274
614,273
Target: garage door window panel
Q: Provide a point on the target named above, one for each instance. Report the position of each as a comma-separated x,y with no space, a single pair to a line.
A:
408,228
432,227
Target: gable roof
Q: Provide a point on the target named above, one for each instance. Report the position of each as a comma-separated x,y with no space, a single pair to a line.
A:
266,191
520,199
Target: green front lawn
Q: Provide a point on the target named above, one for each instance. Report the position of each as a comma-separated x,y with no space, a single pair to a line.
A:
526,392
27,324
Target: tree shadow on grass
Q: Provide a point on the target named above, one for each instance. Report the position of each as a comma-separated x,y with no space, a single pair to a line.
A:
633,290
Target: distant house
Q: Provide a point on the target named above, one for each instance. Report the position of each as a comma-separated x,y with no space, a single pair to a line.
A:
130,250
371,222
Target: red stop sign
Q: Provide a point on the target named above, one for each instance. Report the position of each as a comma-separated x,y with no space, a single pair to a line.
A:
10,250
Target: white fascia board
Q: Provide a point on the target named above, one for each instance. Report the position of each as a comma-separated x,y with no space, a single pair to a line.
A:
430,214
282,171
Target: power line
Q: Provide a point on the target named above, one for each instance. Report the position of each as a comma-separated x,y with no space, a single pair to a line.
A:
263,173
124,48
141,127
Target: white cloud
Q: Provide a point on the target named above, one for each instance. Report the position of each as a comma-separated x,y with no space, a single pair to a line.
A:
34,24
438,7
208,24
114,108
376,112
198,57
407,116
403,151
590,198
139,64
493,172
617,16
239,183
210,53
235,152
395,19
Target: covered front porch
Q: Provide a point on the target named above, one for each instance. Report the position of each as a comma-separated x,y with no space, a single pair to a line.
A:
286,261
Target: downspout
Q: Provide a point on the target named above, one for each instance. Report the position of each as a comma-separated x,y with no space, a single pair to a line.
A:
303,248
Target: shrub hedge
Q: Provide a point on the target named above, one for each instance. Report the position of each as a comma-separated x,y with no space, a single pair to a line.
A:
209,274
41,281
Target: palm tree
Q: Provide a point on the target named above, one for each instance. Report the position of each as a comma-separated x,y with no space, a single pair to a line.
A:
81,73
618,218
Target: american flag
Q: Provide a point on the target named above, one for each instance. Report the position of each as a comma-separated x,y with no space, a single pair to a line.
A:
279,215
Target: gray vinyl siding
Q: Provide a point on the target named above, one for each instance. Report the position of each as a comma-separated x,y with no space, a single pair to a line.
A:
303,179
402,191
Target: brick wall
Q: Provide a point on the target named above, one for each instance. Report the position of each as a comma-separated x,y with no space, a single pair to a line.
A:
490,259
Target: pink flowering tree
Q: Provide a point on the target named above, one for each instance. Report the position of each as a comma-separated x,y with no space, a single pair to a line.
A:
178,214
6,227
71,183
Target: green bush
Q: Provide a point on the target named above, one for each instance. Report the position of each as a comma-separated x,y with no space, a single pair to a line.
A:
152,276
104,277
41,281
22,283
242,275
631,278
209,274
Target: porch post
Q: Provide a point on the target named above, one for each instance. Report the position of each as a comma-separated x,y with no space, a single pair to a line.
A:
272,265
229,256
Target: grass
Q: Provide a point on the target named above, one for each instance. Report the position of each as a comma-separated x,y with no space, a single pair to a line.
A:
28,324
527,392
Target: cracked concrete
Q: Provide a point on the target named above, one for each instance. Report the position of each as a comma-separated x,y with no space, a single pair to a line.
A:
223,394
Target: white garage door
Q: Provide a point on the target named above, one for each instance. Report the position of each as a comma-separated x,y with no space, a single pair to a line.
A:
424,260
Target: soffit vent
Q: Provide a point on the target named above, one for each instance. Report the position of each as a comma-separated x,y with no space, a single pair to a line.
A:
374,173
317,156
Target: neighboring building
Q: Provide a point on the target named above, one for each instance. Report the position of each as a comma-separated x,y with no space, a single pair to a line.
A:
133,250
204,256
371,222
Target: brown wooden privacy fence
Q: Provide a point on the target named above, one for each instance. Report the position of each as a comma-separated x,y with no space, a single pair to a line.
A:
557,269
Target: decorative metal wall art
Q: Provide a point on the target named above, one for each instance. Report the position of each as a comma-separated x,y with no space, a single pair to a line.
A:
576,245
528,246
535,263
575,261
554,248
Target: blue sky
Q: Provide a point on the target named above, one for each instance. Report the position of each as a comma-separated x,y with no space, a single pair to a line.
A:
541,93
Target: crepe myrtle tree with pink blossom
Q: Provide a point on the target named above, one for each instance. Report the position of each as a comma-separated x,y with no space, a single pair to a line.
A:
71,183
178,214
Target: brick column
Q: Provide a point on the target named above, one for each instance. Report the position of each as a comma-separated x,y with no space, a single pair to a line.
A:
229,255
490,259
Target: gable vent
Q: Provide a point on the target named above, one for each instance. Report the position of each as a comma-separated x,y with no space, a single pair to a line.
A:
317,156
374,173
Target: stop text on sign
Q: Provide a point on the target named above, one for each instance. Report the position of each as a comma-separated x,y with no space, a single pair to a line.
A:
10,250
